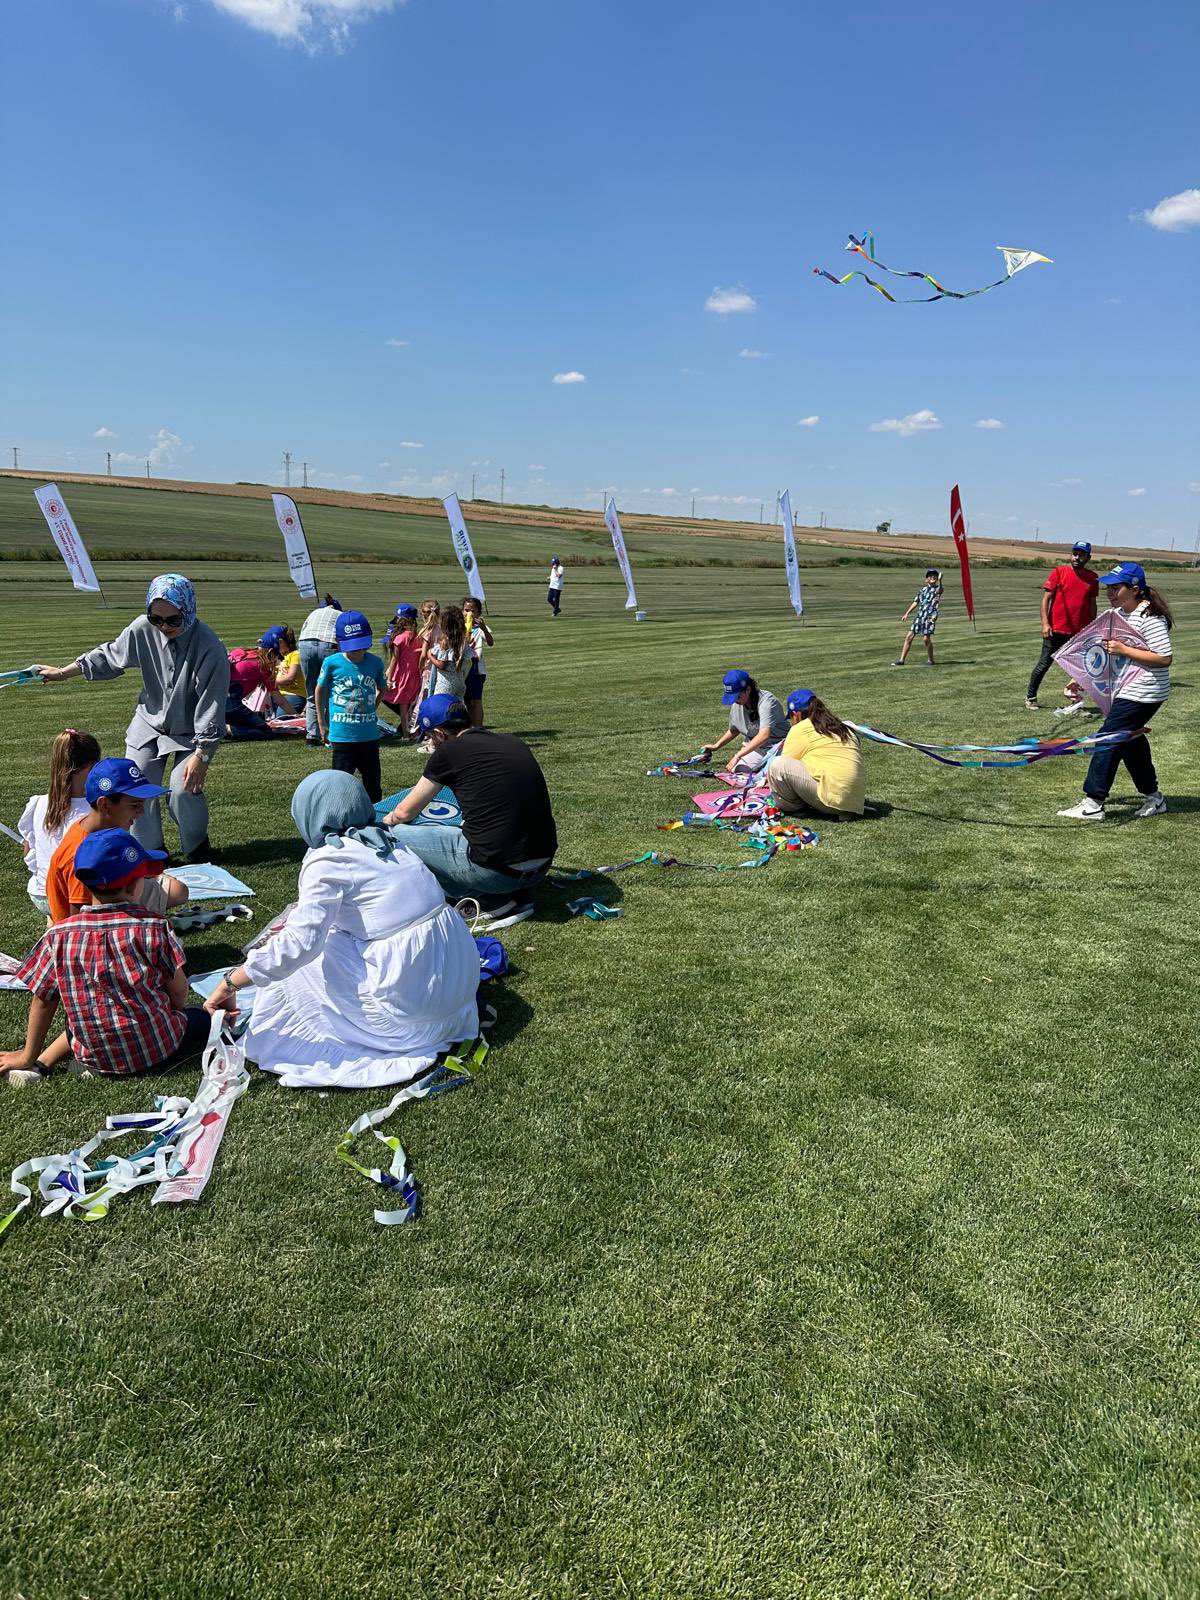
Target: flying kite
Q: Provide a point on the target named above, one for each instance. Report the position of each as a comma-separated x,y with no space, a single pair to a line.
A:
1014,261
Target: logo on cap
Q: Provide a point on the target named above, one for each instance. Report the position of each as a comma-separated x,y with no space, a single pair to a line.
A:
130,853
105,784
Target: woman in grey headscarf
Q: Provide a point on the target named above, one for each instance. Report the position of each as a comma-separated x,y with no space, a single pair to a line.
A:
180,713
372,975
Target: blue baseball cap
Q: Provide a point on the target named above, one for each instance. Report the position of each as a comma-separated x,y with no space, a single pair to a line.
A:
405,610
111,857
116,776
800,699
1125,572
353,631
736,683
1083,546
437,709
272,637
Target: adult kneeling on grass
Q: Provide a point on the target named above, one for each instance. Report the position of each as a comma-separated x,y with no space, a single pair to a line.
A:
756,715
508,838
820,767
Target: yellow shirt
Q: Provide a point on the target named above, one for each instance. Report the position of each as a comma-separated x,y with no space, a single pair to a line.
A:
837,768
289,675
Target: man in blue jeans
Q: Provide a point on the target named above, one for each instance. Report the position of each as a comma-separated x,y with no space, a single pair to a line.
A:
318,639
508,838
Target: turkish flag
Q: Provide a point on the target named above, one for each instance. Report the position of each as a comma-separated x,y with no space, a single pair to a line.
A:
959,529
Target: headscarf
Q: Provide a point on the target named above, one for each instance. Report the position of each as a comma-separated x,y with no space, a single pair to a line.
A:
173,586
329,807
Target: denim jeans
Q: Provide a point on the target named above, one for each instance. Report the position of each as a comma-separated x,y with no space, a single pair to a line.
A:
312,654
444,852
1050,643
1135,753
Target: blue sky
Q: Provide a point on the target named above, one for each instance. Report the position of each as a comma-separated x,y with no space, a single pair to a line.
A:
375,233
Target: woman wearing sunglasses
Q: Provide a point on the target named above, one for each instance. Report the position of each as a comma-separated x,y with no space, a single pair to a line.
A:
180,714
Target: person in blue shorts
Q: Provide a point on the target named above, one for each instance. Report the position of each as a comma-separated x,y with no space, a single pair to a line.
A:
925,603
351,683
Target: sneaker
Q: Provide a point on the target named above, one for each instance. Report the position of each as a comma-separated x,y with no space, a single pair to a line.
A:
1030,703
1152,806
1073,708
929,663
314,744
897,663
1087,810
23,1080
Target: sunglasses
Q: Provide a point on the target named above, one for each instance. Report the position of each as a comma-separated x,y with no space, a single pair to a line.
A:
174,620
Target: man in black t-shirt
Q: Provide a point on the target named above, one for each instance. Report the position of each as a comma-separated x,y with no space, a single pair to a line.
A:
507,839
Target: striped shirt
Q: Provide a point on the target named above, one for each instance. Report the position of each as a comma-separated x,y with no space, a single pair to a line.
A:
321,625
110,966
1151,685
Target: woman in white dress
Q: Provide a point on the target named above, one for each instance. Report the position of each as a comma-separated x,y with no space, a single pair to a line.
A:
373,974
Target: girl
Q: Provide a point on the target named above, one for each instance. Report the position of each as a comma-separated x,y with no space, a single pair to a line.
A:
1139,695
428,633
925,603
48,816
279,658
820,767
480,636
451,655
402,654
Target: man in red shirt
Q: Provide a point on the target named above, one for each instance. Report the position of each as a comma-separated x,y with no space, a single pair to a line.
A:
1068,604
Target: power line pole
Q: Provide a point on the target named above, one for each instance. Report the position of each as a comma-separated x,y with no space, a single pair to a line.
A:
693,508
472,487
287,469
16,462
108,462
147,466
760,511
501,485
778,500
1196,548
306,474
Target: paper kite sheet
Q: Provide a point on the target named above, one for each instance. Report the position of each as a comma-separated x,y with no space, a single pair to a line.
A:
1085,658
442,811
732,804
207,882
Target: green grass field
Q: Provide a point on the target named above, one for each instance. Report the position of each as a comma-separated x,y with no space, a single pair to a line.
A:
826,1230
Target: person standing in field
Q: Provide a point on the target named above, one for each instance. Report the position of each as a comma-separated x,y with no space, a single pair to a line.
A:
402,652
351,682
925,603
555,586
318,639
481,640
1068,604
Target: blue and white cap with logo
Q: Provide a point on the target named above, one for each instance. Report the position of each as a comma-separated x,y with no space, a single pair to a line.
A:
273,637
116,776
353,631
800,699
1125,572
1081,547
437,709
736,683
110,856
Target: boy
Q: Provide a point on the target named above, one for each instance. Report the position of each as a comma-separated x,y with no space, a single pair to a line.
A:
116,792
925,603
118,969
348,688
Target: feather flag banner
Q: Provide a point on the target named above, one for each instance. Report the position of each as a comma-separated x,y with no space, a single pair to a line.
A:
295,545
66,537
789,553
463,548
1014,261
613,523
959,529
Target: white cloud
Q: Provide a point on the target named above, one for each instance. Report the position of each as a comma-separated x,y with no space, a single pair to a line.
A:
915,422
1194,487
1175,213
396,344
164,451
104,433
382,464
1135,494
308,23
727,301
1113,300
753,355
534,467
1067,483
807,422
411,444
568,377
988,422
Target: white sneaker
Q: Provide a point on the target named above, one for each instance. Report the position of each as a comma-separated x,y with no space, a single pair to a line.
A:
1030,703
1073,708
23,1080
1152,806
1086,811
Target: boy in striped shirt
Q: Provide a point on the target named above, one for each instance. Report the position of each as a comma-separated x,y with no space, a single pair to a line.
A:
118,970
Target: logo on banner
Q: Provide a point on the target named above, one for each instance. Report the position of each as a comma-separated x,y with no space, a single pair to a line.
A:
289,521
54,508
1095,661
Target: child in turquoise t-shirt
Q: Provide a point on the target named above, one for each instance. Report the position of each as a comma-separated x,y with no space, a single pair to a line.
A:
351,682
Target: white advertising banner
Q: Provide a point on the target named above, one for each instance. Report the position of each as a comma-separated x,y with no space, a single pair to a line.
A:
462,547
66,537
789,554
295,544
614,527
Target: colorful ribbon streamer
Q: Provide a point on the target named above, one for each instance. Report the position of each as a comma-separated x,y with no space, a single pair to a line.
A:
593,910
1027,750
10,680
1014,261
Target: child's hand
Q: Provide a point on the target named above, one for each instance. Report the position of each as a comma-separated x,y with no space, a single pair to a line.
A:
17,1061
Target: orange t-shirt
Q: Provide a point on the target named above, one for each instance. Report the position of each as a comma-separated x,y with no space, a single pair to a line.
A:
63,888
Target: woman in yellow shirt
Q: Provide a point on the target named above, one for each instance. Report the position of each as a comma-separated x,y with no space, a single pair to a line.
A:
820,767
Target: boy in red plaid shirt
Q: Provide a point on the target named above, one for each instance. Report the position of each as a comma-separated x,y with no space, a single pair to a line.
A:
118,969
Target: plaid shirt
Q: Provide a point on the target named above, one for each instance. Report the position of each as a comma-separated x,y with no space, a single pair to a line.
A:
111,965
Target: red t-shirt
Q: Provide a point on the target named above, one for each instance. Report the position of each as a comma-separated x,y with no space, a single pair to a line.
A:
1073,604
246,671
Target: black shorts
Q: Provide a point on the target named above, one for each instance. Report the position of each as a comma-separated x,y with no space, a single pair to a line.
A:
362,756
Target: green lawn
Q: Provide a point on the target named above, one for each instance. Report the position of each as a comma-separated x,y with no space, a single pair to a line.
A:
827,1230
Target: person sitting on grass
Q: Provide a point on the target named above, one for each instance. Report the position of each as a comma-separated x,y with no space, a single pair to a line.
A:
118,970
508,838
117,792
279,656
756,715
820,767
925,603
48,816
348,688
373,975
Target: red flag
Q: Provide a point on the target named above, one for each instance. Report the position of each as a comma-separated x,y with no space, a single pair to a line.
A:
959,529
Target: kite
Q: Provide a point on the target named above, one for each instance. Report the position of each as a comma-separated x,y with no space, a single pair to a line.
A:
1014,261
1085,659
1027,751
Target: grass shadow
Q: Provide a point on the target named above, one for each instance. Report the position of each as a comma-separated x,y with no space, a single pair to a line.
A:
262,853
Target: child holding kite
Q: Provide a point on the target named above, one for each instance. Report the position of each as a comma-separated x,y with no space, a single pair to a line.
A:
48,816
1133,705
925,603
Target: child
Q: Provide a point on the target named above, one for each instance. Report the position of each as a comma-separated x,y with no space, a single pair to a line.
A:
451,656
429,633
351,682
402,653
1139,695
118,970
115,791
279,660
480,635
925,603
48,816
